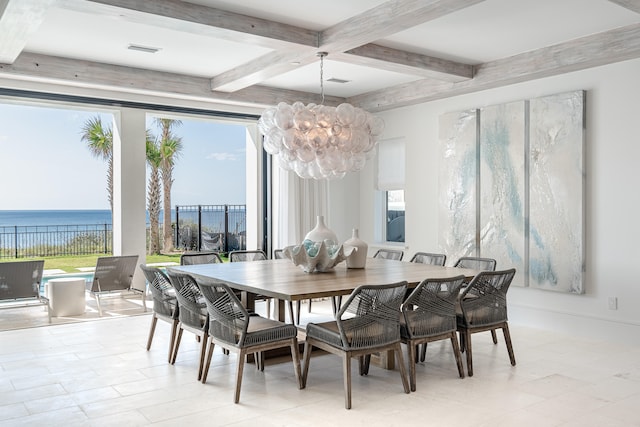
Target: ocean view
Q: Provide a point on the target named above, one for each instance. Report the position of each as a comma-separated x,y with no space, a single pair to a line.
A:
9,218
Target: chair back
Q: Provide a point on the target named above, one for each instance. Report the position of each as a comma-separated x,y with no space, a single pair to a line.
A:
484,300
241,256
192,308
193,258
228,319
389,254
20,279
279,254
371,316
428,258
114,273
475,263
431,308
162,291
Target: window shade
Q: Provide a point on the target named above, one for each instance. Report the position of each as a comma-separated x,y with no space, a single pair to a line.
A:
390,165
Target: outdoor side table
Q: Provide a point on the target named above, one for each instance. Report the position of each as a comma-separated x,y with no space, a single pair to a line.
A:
66,296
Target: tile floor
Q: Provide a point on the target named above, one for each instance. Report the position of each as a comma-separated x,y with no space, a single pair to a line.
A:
98,373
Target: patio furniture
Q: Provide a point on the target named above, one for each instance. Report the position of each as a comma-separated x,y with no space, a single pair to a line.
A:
20,285
194,258
232,327
67,296
429,258
389,254
192,314
165,304
369,322
114,274
429,314
483,305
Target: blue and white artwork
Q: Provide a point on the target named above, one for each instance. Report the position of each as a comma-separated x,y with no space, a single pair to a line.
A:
502,188
512,188
556,183
458,178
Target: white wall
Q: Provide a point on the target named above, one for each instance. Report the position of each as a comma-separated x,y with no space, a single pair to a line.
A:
612,197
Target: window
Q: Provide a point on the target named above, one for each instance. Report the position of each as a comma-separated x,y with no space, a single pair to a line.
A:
390,181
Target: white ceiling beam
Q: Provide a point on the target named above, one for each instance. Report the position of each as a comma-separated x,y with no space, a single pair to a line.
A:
388,18
198,19
19,19
399,61
608,47
72,72
633,5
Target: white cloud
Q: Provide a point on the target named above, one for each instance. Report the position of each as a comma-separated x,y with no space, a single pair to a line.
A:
223,156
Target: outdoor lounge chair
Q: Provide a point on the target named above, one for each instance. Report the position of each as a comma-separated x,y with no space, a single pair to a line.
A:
114,274
20,284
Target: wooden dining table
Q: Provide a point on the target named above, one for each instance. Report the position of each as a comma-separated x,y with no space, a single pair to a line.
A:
282,280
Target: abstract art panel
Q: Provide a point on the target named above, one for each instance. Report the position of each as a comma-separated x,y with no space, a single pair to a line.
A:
512,188
502,187
457,180
556,223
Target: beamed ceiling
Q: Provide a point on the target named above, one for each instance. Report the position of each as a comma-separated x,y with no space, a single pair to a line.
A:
381,54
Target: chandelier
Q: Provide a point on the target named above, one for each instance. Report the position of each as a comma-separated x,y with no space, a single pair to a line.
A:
319,141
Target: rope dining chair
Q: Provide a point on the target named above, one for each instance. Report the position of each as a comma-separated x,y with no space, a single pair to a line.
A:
368,322
231,326
393,254
165,304
193,258
429,258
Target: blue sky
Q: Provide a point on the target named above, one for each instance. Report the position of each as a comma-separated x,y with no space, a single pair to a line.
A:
45,165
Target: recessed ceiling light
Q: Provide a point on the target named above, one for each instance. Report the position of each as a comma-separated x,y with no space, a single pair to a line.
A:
141,48
336,80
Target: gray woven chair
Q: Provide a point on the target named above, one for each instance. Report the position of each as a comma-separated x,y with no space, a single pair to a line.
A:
193,258
192,314
428,258
429,314
232,327
114,274
482,264
475,263
389,254
165,304
368,322
483,305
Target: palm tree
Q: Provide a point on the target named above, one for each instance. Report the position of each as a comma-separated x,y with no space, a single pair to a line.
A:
153,193
99,139
170,148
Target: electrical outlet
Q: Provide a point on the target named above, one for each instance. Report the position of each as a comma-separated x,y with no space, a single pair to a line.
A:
613,303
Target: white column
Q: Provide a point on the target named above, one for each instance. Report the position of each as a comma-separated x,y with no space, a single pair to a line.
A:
129,187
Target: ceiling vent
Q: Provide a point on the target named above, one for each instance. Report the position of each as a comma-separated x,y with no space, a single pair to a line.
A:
335,80
141,48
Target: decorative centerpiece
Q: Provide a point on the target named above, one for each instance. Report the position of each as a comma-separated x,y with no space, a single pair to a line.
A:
317,256
319,251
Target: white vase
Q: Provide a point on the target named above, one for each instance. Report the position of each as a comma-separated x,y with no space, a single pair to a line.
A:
321,232
358,258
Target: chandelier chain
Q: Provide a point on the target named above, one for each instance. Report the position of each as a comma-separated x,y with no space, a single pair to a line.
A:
322,55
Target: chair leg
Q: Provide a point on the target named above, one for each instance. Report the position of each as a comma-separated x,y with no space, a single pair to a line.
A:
293,319
467,342
205,369
462,346
177,345
507,340
239,369
403,370
268,302
306,355
412,350
172,339
98,304
346,373
203,352
298,307
295,358
494,336
423,352
309,305
152,330
456,354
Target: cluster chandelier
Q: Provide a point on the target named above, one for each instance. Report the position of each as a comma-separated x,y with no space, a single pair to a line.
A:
318,141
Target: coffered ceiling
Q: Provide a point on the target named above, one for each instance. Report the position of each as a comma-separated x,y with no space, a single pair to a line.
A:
381,53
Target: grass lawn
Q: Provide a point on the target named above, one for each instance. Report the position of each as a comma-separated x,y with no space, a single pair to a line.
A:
69,264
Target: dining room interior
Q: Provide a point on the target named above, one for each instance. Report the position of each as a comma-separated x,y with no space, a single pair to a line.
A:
509,126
